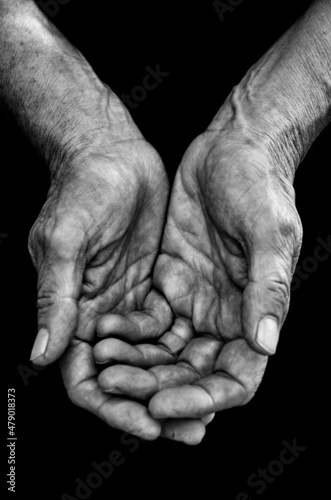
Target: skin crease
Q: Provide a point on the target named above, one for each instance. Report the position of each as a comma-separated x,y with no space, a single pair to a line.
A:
94,246
97,237
232,237
223,265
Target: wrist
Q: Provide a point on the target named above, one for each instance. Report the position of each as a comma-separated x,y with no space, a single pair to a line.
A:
273,129
102,134
239,126
88,129
281,127
284,100
284,118
52,92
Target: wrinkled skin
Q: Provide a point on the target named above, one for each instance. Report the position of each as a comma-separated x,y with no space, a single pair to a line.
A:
229,250
94,245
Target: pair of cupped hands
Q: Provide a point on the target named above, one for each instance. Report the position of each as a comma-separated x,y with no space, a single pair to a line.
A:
164,307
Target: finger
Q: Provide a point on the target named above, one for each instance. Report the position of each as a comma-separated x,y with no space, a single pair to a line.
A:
128,380
155,318
110,351
201,354
190,432
178,337
208,418
193,401
239,373
115,351
59,283
173,375
130,417
230,302
187,431
80,378
143,384
266,297
242,363
196,360
115,324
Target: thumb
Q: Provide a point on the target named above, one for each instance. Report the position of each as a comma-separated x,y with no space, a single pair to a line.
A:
266,298
59,285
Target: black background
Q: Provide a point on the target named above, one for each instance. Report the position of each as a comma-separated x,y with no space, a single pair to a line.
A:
58,442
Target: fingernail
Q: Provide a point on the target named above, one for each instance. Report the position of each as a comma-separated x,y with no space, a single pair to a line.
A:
40,344
113,390
268,334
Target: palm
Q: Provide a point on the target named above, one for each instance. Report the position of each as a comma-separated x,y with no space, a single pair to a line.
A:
127,210
218,202
123,208
126,218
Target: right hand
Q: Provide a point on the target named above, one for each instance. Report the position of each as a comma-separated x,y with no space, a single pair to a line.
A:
94,245
96,238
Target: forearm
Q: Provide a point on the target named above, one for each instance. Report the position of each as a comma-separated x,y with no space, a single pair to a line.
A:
283,102
49,87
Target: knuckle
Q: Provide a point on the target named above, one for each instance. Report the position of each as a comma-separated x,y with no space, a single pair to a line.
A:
286,229
280,291
101,327
253,386
280,225
80,395
34,242
45,301
74,396
103,379
291,229
100,351
298,237
56,238
65,240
